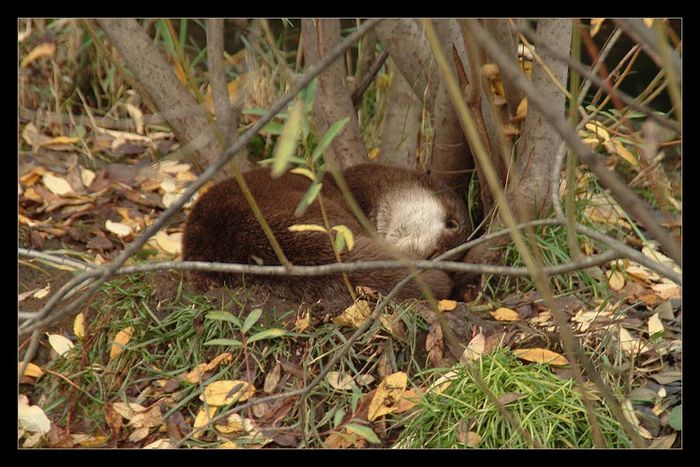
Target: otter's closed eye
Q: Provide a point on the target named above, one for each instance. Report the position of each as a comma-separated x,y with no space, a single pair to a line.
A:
451,224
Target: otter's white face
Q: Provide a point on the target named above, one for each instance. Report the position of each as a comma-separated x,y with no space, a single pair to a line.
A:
412,219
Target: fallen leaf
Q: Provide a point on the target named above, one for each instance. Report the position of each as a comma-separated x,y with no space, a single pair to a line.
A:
475,348
664,442
655,325
79,325
631,416
59,343
117,228
446,305
538,355
505,314
163,443
56,185
364,380
389,392
41,293
443,382
303,322
203,417
509,397
138,434
195,375
220,393
128,409
31,371
354,315
339,381
87,176
616,279
234,423
630,344
32,417
147,419
667,290
120,341
171,244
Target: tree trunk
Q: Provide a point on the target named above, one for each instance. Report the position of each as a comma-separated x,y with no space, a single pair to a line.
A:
332,102
185,116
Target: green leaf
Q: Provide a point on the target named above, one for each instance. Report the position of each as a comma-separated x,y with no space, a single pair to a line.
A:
339,243
273,128
251,319
308,95
308,198
225,342
364,431
675,418
286,146
328,138
338,417
267,334
223,316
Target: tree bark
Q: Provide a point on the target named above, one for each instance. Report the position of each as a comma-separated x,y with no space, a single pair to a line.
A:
186,117
401,123
409,49
333,102
539,142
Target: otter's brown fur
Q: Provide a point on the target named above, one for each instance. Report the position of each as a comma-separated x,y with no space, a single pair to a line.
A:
222,228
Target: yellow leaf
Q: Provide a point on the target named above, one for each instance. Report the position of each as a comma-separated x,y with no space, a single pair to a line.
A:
194,376
128,410
596,23
60,343
354,315
56,185
32,370
446,305
347,233
374,154
120,341
171,244
305,172
79,325
616,279
202,418
162,443
60,140
41,293
303,322
625,154
232,424
388,394
220,393
598,130
505,314
408,400
648,22
521,112
46,49
232,87
307,228
538,355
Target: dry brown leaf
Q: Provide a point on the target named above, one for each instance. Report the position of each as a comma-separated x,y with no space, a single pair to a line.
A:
539,355
616,279
654,325
303,322
388,394
631,344
631,416
120,341
147,419
119,229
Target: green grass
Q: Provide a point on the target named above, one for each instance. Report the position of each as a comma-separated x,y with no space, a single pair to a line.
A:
550,409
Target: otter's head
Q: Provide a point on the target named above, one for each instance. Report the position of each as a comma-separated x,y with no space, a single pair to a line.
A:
423,220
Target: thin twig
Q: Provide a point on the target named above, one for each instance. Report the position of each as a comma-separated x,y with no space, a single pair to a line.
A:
362,86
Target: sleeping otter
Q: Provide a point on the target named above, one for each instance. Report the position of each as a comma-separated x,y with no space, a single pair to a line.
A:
413,213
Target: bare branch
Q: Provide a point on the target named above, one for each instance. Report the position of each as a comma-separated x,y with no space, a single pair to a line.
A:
225,119
367,79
